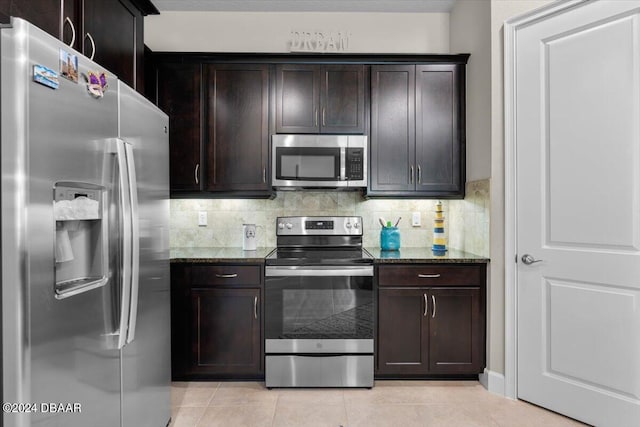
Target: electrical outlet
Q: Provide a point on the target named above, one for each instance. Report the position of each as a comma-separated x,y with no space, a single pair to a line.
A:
202,218
415,219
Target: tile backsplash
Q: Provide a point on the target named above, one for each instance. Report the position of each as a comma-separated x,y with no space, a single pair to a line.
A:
466,226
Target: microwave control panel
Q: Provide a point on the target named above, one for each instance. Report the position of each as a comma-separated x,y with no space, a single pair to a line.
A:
355,158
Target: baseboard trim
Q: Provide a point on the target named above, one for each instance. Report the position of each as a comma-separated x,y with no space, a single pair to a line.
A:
492,381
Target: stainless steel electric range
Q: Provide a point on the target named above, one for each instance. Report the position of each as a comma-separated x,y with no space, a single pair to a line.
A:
319,305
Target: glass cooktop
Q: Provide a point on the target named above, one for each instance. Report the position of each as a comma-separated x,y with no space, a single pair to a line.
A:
318,256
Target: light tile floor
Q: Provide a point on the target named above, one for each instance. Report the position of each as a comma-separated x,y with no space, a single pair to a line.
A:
388,404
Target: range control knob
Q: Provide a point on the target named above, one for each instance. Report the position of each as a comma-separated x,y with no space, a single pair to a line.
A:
280,226
348,225
289,225
356,225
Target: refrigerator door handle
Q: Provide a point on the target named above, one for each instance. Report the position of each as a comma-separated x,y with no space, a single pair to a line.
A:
125,216
135,242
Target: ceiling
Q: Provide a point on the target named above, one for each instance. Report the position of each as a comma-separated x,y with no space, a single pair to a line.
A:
406,6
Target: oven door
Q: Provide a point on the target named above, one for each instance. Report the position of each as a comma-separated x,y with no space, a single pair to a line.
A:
319,309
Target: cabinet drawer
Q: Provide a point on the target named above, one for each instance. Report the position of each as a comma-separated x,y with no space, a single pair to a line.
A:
220,275
429,275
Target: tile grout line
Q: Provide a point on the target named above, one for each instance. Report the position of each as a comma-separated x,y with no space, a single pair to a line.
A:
275,407
346,412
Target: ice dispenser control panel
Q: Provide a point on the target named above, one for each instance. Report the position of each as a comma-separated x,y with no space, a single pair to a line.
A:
63,193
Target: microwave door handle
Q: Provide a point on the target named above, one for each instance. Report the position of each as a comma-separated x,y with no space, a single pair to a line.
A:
343,162
135,243
124,270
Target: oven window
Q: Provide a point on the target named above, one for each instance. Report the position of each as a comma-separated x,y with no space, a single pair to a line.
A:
319,308
308,163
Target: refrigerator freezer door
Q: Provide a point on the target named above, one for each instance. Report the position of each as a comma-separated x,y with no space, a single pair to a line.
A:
54,350
146,359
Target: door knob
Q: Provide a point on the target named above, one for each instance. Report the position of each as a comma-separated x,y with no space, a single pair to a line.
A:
528,259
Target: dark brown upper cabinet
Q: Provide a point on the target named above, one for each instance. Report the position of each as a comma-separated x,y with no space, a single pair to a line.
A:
44,14
237,127
313,98
219,127
417,131
180,96
109,31
113,33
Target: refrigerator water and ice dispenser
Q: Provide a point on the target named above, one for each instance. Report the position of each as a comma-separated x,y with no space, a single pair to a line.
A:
81,238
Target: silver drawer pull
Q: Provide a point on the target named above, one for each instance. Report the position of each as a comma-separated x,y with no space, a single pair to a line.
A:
93,45
426,304
428,276
433,313
227,276
73,30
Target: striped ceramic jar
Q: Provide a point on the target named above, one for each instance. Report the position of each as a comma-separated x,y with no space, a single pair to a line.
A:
439,241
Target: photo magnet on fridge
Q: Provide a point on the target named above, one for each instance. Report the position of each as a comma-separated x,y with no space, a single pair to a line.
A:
69,66
45,76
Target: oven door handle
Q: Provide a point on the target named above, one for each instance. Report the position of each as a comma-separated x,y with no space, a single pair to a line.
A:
324,270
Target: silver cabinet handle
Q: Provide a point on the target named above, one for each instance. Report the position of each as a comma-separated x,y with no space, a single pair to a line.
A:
227,276
316,118
428,276
255,307
196,173
528,259
324,110
433,313
411,174
426,304
264,175
73,31
419,175
93,45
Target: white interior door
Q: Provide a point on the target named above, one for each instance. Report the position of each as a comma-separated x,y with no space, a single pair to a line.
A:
577,118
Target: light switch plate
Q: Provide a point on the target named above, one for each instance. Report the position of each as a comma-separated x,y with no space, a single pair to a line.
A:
415,219
202,218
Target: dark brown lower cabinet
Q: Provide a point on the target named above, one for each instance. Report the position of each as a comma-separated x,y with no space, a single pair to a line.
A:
456,328
431,321
225,331
216,321
403,332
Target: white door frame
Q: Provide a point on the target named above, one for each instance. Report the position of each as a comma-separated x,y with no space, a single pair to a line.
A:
511,28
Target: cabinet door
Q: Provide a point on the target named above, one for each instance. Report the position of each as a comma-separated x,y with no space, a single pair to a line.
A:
237,127
179,96
297,98
403,334
180,325
225,331
44,14
342,99
113,30
439,132
71,23
392,128
456,339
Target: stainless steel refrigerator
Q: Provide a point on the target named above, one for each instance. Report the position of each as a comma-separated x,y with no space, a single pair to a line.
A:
85,241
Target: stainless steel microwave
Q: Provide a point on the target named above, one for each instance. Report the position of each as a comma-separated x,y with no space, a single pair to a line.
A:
319,161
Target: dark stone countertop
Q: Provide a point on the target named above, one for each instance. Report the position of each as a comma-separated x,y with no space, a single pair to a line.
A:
404,255
203,255
424,256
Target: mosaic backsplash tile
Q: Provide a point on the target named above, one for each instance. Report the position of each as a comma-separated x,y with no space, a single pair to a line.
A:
466,226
